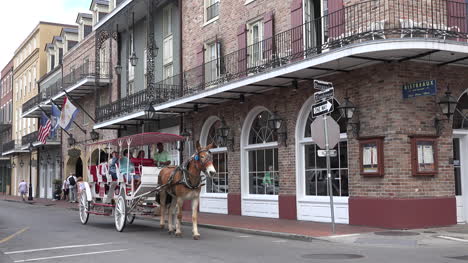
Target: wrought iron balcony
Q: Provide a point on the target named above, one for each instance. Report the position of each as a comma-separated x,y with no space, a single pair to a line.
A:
31,103
49,91
9,146
87,70
160,92
28,139
372,20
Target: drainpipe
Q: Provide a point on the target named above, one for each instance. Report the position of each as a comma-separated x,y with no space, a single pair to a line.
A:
181,70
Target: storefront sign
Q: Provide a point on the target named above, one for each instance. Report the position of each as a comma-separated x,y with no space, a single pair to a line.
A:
420,88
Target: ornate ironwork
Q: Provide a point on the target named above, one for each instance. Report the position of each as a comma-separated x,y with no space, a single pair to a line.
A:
31,103
29,138
9,146
362,22
150,45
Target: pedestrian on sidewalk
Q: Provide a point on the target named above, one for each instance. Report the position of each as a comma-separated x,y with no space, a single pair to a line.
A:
23,189
65,190
71,180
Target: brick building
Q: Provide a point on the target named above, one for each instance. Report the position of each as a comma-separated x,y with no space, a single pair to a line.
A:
401,158
6,115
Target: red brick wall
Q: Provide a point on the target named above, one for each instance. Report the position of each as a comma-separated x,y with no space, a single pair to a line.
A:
377,92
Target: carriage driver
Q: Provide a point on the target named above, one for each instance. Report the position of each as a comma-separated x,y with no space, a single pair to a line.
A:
161,157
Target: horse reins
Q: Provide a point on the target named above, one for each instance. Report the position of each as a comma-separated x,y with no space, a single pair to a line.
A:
185,173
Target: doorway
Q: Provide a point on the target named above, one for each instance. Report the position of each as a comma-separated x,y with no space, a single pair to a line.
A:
313,21
460,166
79,168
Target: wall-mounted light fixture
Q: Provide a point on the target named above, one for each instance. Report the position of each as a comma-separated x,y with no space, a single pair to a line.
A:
275,123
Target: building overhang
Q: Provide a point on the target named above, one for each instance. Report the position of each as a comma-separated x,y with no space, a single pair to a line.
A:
11,152
344,59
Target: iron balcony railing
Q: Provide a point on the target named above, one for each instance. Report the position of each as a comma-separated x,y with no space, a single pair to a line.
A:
86,70
30,138
9,146
367,21
160,92
33,138
212,11
47,92
31,103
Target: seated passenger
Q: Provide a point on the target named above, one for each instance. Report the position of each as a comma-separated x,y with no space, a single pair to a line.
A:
126,167
112,165
161,157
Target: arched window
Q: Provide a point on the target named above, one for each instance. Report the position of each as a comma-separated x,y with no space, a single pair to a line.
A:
262,155
460,117
219,183
314,168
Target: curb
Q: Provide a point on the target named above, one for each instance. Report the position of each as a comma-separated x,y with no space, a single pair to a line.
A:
289,236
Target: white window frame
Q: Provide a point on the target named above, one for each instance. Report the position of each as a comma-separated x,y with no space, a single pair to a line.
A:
252,59
208,3
131,69
212,72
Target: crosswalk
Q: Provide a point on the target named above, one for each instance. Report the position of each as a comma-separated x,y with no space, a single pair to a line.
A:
70,252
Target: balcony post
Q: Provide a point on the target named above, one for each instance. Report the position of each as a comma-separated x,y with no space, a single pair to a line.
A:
150,52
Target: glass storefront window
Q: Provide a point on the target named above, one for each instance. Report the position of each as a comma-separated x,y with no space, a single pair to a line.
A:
263,172
218,183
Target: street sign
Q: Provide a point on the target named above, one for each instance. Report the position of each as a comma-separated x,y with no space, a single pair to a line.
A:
323,153
318,132
322,85
327,94
321,108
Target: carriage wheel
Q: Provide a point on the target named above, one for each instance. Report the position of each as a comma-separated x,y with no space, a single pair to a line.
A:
120,213
84,208
130,219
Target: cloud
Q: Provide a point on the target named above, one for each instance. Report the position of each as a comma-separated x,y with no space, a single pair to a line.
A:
18,19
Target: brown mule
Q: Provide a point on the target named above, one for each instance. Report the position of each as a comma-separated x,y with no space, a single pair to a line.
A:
184,183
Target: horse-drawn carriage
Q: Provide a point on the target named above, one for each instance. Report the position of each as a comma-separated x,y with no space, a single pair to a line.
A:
122,195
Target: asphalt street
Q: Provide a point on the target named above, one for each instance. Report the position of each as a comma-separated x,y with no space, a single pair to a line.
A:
31,233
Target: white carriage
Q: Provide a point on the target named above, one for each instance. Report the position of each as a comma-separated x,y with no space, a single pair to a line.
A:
120,196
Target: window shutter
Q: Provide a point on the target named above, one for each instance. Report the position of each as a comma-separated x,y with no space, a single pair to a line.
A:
242,53
268,35
336,18
456,16
167,49
297,42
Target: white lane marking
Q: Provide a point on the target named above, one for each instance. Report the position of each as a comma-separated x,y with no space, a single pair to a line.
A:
280,241
55,248
453,239
348,235
71,255
244,236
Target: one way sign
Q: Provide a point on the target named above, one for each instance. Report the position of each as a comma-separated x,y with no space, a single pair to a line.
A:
321,108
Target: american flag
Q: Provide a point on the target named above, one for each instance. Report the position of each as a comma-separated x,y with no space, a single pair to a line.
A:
44,129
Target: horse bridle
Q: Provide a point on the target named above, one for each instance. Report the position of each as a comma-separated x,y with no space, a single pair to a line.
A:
208,158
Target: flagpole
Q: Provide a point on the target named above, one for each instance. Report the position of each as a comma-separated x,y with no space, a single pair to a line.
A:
73,100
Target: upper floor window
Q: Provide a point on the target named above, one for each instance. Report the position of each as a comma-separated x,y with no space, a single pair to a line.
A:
167,21
254,37
212,65
211,10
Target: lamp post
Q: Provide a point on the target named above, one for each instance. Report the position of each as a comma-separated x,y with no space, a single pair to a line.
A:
347,110
447,104
275,123
30,197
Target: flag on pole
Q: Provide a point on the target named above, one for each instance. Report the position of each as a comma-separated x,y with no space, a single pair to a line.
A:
69,112
55,117
44,129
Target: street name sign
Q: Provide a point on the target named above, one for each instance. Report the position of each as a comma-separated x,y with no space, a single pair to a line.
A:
327,94
322,85
318,132
322,108
323,153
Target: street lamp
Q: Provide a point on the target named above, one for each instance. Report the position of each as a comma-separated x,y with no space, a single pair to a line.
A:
13,165
447,104
71,140
30,197
222,134
21,163
133,57
57,158
150,113
275,123
94,135
118,69
347,110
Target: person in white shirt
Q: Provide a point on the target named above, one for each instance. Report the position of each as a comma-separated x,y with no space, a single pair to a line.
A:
23,189
71,180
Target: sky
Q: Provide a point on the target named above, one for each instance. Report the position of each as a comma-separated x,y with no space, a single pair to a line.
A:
19,18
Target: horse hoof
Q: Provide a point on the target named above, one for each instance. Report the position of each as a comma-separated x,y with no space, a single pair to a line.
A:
178,234
162,226
170,232
197,237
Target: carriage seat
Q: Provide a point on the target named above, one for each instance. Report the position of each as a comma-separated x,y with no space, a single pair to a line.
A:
138,162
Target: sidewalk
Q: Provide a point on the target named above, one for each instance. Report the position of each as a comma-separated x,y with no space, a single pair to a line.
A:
302,230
